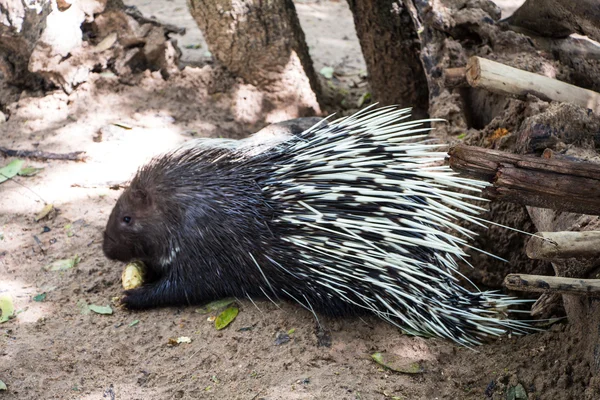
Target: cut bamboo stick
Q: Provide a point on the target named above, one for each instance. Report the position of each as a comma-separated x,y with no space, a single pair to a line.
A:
553,284
500,78
560,245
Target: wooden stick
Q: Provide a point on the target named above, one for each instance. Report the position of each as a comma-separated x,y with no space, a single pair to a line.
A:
552,284
43,155
546,305
455,77
559,245
548,183
502,79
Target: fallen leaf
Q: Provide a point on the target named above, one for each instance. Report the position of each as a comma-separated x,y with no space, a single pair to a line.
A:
62,265
105,310
327,72
7,308
69,230
226,317
29,171
365,98
83,307
10,169
39,297
397,364
44,213
216,305
106,43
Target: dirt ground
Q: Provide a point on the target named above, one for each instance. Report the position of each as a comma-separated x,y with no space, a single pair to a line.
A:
54,349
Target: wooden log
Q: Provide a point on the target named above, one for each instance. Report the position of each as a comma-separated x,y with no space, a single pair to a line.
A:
553,284
455,77
560,245
548,183
499,78
546,305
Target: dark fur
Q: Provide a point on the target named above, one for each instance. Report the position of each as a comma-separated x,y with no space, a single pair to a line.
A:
216,214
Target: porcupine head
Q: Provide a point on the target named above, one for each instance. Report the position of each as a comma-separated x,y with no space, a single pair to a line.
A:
194,224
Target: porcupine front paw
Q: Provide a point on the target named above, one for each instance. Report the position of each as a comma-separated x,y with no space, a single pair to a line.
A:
160,293
138,299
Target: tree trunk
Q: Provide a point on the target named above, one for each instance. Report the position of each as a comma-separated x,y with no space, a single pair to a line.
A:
391,48
21,25
263,43
46,43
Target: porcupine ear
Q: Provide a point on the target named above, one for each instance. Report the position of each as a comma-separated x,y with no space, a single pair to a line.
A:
142,198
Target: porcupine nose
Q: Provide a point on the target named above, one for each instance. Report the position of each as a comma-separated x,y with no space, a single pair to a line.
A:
108,246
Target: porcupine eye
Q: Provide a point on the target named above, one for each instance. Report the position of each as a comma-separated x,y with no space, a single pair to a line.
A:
127,220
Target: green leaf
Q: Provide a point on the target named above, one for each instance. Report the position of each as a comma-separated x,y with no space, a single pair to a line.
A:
216,305
226,317
327,72
365,98
3,386
63,265
291,331
39,297
106,310
69,230
7,308
83,307
29,171
122,125
10,169
461,136
134,323
397,364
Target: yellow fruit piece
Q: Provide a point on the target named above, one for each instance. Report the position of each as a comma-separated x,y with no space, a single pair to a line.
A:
133,275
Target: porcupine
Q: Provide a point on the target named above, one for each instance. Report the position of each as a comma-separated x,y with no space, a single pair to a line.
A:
351,216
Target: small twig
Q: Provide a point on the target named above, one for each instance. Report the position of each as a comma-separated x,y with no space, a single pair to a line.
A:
257,394
133,12
39,243
553,284
560,245
43,155
113,185
456,77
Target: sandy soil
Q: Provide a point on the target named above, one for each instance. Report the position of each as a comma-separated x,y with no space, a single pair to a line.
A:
54,349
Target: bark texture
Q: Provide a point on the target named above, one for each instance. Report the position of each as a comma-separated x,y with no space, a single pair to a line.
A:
45,43
391,48
21,25
262,42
